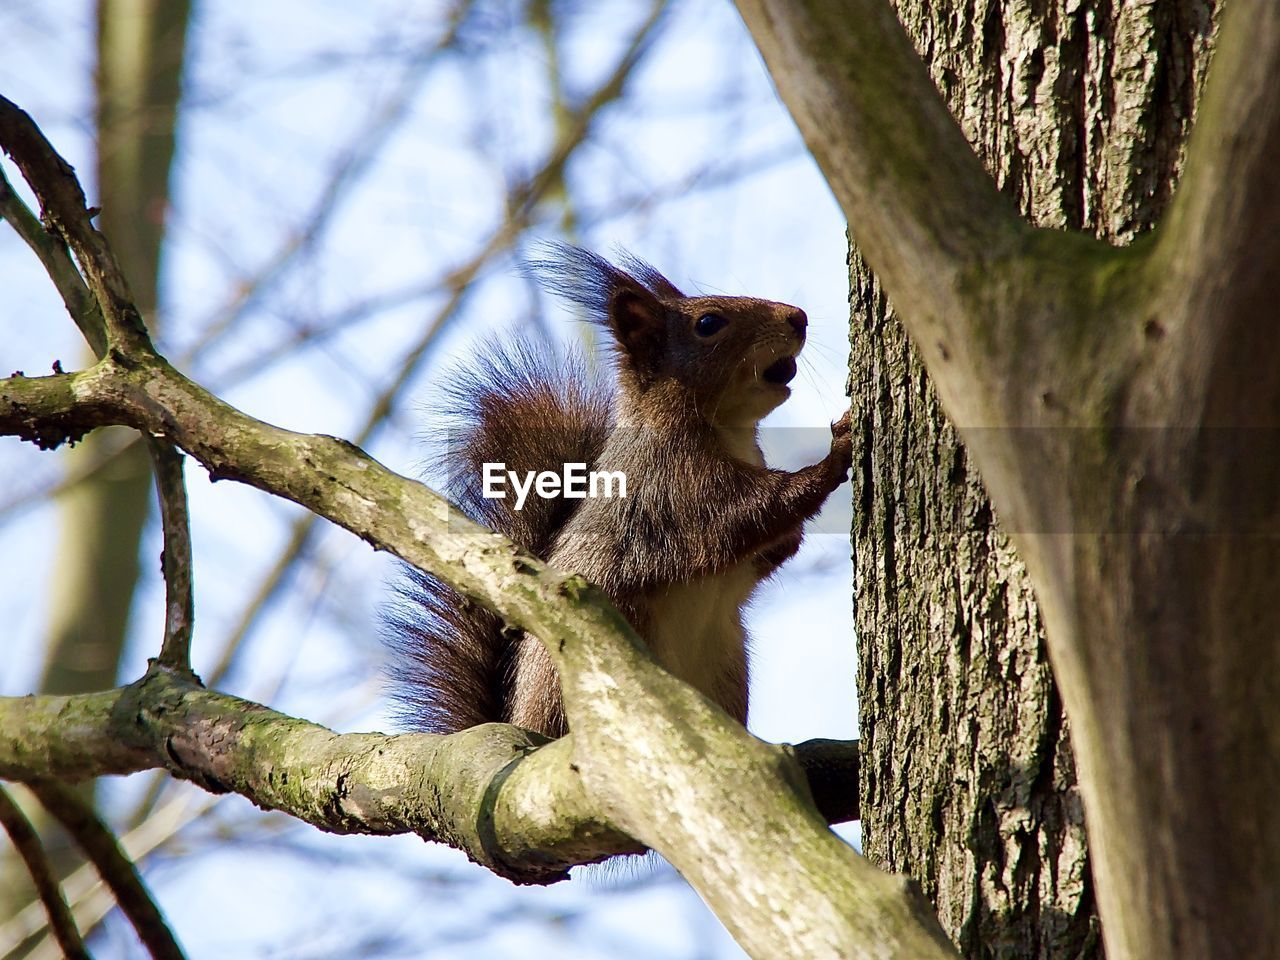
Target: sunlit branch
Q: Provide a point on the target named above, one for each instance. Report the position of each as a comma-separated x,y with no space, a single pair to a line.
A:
63,208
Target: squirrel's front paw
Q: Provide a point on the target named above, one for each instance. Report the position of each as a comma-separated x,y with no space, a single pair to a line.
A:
841,428
842,444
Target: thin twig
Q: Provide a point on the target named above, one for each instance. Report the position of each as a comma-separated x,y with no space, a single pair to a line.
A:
354,161
65,212
179,609
27,842
101,847
88,895
57,263
345,319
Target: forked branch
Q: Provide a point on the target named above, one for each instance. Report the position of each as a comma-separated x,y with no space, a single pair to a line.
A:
63,210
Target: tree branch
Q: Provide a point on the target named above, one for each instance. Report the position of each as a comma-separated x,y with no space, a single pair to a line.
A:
63,208
58,265
921,207
88,896
27,843
1218,256
353,161
462,790
116,869
175,560
530,827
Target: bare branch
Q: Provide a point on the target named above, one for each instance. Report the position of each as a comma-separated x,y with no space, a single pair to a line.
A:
57,263
353,783
179,609
64,209
116,869
89,898
709,177
355,160
27,843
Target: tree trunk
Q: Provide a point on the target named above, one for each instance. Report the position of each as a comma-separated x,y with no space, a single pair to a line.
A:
1080,111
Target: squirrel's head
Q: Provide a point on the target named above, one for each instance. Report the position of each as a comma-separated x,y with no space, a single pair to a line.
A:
734,355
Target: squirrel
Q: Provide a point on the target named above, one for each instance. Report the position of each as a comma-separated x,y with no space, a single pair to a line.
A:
703,521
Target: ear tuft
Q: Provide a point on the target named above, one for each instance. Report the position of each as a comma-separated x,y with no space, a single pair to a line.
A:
650,278
591,281
628,303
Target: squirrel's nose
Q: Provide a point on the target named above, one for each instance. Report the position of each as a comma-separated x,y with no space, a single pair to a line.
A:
796,317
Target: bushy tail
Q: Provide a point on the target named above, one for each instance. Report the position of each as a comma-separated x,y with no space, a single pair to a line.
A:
451,661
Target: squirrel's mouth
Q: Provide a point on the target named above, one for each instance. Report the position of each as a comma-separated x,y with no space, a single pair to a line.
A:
781,372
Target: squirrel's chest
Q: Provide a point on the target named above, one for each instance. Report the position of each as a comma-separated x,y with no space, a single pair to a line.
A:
695,630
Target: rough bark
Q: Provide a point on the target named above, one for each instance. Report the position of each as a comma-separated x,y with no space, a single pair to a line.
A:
1080,112
954,676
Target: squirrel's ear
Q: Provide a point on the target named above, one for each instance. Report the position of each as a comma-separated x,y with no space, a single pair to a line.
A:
639,323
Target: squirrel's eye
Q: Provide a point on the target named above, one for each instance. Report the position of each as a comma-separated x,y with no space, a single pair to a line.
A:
709,323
